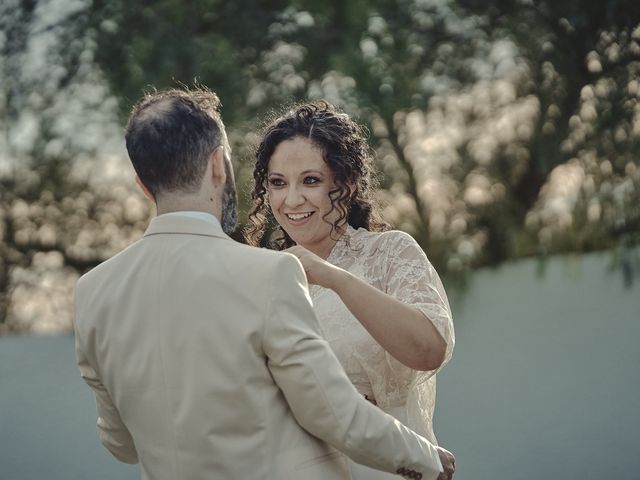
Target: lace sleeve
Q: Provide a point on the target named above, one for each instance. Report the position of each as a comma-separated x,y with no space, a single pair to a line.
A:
411,278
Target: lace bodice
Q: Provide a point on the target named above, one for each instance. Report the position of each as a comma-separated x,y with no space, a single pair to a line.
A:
395,264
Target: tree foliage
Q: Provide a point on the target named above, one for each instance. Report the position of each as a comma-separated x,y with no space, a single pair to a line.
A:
502,129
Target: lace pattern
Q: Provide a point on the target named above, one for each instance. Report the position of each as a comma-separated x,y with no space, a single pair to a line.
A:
395,264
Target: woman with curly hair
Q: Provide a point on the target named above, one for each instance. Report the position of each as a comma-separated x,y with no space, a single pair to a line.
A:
379,301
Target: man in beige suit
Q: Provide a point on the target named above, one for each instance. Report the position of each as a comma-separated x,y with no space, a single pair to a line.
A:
204,354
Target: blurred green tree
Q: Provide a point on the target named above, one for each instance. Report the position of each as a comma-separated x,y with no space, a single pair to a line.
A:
502,129
64,205
472,105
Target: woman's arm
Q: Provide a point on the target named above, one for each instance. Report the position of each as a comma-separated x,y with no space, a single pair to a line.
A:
402,330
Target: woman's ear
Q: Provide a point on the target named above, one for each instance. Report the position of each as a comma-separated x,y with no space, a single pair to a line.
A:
145,190
353,189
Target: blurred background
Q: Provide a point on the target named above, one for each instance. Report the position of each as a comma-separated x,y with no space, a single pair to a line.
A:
507,137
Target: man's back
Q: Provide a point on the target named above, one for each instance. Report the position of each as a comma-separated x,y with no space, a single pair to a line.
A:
206,361
175,326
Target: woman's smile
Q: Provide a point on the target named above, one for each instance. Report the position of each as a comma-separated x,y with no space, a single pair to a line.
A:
298,217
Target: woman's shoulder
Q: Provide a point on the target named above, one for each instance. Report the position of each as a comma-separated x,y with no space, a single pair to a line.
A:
381,247
385,239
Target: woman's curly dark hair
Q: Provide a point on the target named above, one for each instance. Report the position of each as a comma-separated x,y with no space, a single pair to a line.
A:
346,153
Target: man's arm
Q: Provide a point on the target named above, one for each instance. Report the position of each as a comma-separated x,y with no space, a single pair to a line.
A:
113,433
320,395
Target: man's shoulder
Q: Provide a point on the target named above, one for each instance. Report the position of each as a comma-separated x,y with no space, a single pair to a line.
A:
243,259
261,252
109,263
263,256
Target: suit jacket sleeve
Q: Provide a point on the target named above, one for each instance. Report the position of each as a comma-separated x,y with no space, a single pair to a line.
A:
112,432
321,397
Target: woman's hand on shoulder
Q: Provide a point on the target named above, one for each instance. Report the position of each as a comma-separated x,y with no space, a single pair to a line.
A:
318,271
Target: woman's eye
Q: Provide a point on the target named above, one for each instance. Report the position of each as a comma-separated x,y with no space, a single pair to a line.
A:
276,182
311,180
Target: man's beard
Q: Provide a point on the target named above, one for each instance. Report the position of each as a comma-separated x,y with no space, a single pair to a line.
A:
229,215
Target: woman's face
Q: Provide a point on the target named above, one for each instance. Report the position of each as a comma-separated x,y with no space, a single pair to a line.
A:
299,182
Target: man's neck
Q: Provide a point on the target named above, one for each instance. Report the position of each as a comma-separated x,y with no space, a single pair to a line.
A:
171,204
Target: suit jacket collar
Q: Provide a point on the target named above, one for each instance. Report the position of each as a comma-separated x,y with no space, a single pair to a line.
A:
184,225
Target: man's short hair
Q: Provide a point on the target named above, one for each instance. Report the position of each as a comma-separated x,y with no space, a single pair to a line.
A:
170,137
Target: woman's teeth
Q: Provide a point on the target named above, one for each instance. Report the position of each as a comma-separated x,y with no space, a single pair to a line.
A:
298,216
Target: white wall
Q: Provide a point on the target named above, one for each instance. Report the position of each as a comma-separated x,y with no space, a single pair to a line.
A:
545,377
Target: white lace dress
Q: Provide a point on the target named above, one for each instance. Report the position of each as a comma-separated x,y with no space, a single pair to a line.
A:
394,263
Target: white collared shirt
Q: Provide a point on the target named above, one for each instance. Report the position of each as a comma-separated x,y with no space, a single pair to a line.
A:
195,214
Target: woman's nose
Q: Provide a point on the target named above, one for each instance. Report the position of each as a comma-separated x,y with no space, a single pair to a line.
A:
294,197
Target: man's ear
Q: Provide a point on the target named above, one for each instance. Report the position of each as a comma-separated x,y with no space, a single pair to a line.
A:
218,171
145,190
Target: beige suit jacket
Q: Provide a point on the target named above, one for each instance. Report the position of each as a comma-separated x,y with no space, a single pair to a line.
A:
206,361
